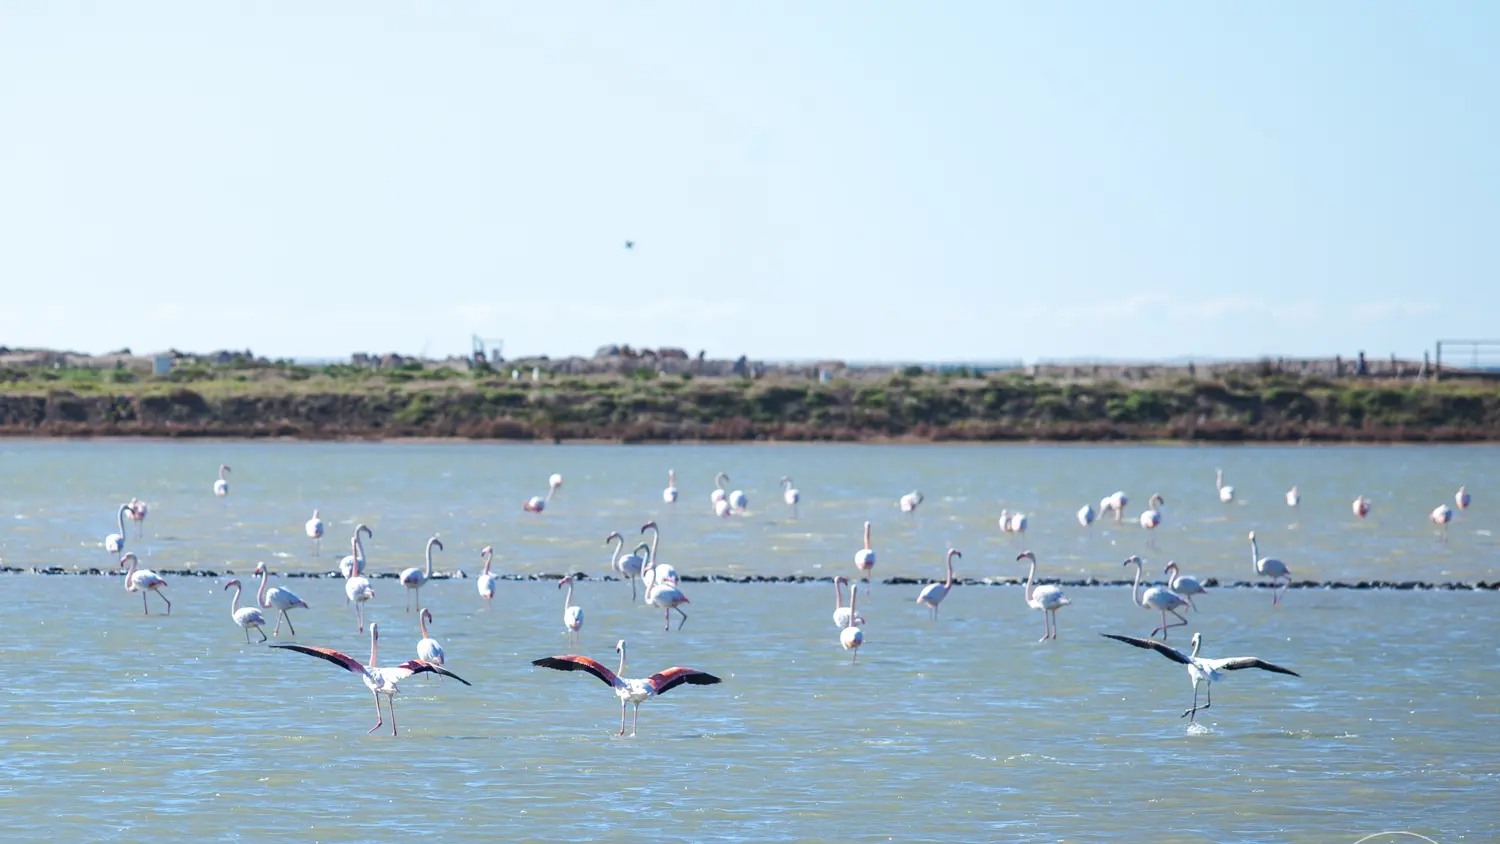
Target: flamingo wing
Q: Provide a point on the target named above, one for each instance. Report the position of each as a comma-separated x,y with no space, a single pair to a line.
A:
1151,645
344,661
419,666
574,662
663,681
1238,662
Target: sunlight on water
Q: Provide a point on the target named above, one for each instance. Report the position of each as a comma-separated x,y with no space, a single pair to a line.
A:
124,726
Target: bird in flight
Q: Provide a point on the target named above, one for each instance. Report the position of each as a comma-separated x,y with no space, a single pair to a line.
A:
629,244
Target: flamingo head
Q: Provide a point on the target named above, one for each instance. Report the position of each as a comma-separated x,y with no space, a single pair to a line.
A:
259,568
840,579
1026,555
613,535
786,481
1132,560
954,552
364,529
620,646
129,555
649,526
374,631
426,616
1171,568
565,581
1252,536
234,582
555,481
435,543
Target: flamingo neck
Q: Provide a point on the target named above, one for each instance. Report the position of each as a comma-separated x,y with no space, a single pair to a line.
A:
567,599
614,559
853,596
128,572
373,638
1197,643
621,672
1135,590
838,595
429,560
947,584
423,621
487,559
867,536
655,536
260,595
120,518
1254,555
234,602
1030,579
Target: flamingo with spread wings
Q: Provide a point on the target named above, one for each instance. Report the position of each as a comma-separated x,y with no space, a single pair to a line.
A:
380,681
629,691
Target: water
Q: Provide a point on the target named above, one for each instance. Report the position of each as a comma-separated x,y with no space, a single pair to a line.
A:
119,726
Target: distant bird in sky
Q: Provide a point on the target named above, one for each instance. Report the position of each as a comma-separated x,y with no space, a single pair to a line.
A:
629,244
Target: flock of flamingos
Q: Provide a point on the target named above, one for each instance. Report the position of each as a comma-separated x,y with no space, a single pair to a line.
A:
659,585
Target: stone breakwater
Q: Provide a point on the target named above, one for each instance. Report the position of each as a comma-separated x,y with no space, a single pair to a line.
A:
1212,583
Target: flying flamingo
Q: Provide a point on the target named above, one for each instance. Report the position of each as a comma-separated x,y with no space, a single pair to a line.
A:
1272,568
1156,598
1293,497
791,495
537,504
572,615
910,501
246,617
1441,516
841,613
428,649
138,515
487,580
933,593
355,562
380,681
629,565
1361,506
669,494
1460,498
1086,515
1047,598
864,560
1226,493
314,528
143,581
629,691
719,493
357,588
1151,519
277,599
851,637
1201,669
221,486
414,578
115,542
1184,585
651,572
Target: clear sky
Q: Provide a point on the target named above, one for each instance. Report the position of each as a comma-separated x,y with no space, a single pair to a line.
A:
857,180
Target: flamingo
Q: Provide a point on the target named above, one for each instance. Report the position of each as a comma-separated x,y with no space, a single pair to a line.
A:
651,572
143,581
537,504
414,578
719,493
115,542
1117,502
1184,585
1293,497
669,494
1151,519
664,595
380,681
572,615
1086,515
864,559
910,501
851,637
791,495
722,508
428,649
1226,493
138,515
357,588
278,599
933,593
1047,598
221,486
487,580
629,691
1201,669
1361,506
1441,516
314,528
1272,568
1460,498
1013,522
1156,598
841,613
630,565
738,501
246,617
355,562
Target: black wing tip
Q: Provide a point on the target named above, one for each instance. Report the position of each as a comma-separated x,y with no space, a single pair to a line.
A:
555,662
446,673
702,679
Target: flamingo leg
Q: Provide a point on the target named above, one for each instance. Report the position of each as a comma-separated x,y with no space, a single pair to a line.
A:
145,609
622,718
635,718
391,702
681,613
379,719
294,630
1209,690
247,635
257,630
631,578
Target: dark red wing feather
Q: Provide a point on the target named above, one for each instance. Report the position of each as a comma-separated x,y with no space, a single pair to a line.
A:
663,681
573,662
417,666
344,661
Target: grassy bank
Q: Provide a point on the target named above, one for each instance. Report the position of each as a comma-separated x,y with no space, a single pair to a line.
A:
413,400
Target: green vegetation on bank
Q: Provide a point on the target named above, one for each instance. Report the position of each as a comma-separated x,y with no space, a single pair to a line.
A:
283,399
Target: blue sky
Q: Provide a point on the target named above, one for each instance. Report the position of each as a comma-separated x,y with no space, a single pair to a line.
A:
897,181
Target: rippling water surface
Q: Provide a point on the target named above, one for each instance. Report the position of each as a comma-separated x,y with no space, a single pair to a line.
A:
119,726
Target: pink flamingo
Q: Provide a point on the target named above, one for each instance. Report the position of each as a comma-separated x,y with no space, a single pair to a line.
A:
414,578
137,514
278,599
933,593
629,691
1272,568
143,581
221,486
864,559
1151,518
851,637
841,613
572,615
486,584
1361,506
1047,598
1441,516
245,617
537,504
1460,498
1156,598
380,681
